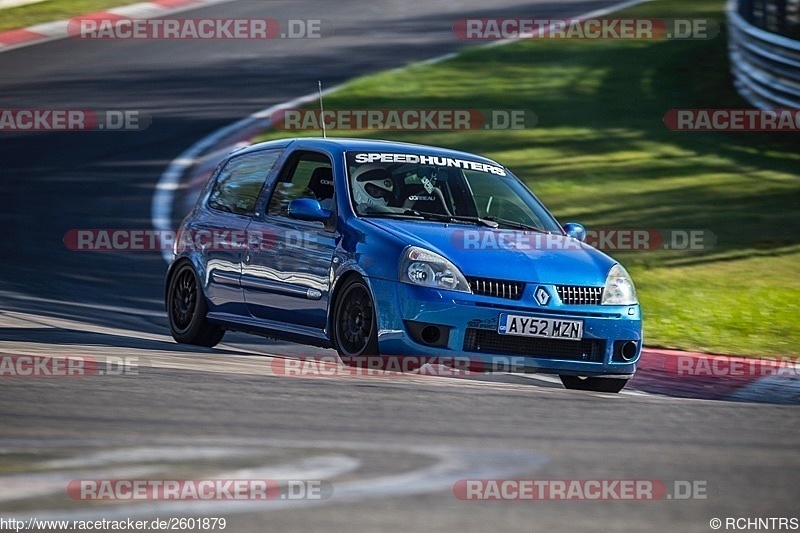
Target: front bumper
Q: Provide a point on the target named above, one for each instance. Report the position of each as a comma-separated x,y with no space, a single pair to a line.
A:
471,322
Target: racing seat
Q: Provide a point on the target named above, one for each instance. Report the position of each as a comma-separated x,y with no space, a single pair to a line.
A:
427,202
321,185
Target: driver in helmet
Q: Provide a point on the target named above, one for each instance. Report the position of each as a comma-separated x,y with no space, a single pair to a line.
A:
373,185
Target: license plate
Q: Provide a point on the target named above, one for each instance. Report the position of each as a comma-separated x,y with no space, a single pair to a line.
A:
551,328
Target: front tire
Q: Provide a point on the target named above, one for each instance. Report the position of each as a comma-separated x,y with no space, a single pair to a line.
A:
612,385
355,324
187,309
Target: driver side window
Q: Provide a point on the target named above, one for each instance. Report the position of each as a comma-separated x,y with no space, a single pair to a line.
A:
309,175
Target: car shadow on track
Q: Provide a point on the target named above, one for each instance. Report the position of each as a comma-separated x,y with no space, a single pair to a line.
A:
59,337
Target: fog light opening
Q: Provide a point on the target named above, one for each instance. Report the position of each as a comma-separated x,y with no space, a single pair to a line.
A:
430,334
628,351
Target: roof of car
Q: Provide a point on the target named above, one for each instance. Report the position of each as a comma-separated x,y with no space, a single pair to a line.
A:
366,145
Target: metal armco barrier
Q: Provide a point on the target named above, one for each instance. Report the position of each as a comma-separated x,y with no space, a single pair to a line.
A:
765,65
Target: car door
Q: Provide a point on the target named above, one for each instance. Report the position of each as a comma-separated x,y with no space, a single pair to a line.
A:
219,233
286,274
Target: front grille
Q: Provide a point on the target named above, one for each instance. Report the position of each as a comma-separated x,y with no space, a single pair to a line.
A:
489,341
574,295
545,311
496,288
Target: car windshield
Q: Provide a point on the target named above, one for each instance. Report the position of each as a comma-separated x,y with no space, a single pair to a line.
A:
442,188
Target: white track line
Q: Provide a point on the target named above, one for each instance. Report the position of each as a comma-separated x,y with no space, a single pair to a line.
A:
59,29
334,462
6,4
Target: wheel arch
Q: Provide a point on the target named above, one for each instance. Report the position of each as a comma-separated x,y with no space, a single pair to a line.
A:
336,291
174,266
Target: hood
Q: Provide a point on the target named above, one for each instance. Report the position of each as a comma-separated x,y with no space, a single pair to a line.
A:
505,254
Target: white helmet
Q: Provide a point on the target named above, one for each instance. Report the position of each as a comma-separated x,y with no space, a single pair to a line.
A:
372,185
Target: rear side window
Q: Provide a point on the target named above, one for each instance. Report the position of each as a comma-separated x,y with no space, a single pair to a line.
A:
240,182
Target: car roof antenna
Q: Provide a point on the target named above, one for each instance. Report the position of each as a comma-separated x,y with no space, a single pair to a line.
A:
321,110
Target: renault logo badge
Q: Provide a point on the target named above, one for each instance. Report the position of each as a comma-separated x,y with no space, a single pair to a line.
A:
542,296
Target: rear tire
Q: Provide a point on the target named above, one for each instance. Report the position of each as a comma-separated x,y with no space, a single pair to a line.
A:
355,324
612,385
187,309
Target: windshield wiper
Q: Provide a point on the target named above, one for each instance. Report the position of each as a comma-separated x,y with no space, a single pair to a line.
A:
515,225
489,222
440,217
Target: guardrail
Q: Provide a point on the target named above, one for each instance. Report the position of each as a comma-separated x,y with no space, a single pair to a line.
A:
765,65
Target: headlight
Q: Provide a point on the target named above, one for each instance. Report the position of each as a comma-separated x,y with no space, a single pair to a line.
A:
619,289
423,267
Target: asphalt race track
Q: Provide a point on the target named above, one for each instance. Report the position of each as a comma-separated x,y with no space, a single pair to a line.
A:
391,447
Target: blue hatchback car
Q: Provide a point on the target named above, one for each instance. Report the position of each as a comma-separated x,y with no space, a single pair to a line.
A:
382,249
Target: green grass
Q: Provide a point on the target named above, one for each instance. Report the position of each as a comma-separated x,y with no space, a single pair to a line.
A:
601,155
49,10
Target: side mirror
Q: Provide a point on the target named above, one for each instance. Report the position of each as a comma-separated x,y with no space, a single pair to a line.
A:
575,230
308,209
